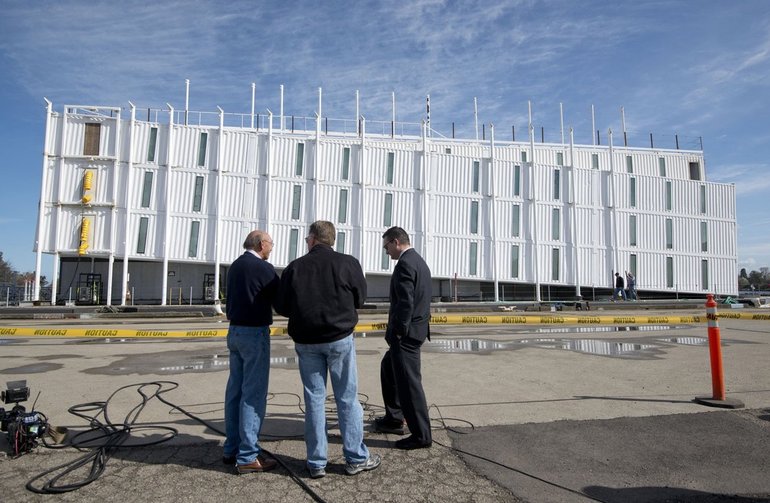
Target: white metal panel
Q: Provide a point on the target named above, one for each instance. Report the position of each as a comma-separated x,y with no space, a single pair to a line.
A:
232,192
239,152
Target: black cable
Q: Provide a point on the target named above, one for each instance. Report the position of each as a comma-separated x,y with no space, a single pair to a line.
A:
444,426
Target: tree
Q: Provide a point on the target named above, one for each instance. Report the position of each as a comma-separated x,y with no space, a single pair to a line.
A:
7,273
743,273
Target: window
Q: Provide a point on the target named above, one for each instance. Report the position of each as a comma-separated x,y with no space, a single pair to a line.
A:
341,242
141,242
555,262
668,196
557,184
632,230
194,230
472,258
204,139
475,177
198,194
516,218
703,199
342,214
391,162
523,156
555,224
153,144
91,140
670,272
296,202
517,180
632,264
629,164
293,239
515,261
694,171
704,237
704,274
669,234
147,189
346,163
560,158
662,166
474,217
388,216
632,192
595,161
299,160
447,150
384,261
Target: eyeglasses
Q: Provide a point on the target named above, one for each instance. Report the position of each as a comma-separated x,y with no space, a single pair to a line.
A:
385,246
265,241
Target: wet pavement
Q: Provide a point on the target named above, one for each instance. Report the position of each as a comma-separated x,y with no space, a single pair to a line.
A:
535,413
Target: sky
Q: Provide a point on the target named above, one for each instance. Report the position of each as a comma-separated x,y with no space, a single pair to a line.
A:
699,70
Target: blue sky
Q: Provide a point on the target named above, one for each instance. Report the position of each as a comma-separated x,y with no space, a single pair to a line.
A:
698,69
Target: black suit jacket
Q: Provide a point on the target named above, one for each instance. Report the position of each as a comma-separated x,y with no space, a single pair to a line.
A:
410,292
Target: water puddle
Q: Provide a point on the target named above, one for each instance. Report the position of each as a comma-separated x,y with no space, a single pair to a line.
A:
181,362
587,346
33,368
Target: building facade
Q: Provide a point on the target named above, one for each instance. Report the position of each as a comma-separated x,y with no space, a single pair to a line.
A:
154,209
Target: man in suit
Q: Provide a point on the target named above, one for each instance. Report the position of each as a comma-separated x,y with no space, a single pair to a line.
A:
251,286
408,327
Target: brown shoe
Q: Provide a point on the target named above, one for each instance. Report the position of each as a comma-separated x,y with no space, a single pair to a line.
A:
261,464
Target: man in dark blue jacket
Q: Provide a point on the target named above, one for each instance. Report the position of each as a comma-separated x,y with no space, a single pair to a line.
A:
320,293
251,287
408,327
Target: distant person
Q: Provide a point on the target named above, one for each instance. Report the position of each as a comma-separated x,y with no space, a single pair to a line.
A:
620,287
631,284
408,327
320,293
251,287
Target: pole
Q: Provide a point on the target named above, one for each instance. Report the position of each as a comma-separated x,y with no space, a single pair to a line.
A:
717,372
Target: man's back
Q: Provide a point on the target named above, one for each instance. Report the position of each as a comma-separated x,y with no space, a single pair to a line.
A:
320,293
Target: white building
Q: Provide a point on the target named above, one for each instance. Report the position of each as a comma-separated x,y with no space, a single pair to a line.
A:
158,206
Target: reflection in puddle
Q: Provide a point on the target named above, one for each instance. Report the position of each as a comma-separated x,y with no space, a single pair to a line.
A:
687,341
589,346
180,362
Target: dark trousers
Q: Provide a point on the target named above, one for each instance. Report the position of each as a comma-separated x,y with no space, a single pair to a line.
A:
402,390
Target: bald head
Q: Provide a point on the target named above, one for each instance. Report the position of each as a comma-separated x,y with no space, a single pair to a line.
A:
259,241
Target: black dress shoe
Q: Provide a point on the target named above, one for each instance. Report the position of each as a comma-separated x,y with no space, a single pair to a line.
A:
389,425
228,460
411,442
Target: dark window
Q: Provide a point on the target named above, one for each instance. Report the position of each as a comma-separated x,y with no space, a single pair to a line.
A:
91,143
147,189
153,144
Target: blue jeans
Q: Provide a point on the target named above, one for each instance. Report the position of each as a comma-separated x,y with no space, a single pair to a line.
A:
337,359
619,292
246,392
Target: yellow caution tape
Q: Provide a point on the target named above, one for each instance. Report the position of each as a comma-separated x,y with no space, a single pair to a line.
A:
493,319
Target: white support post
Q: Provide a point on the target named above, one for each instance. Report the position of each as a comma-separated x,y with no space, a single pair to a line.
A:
167,203
253,95
41,208
280,111
268,170
186,99
593,126
217,220
476,117
362,174
573,216
358,129
533,211
129,197
114,210
493,214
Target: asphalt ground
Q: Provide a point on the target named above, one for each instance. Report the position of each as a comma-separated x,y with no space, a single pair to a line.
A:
520,413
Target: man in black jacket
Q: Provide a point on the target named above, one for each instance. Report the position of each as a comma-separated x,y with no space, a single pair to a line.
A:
251,287
320,293
408,327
